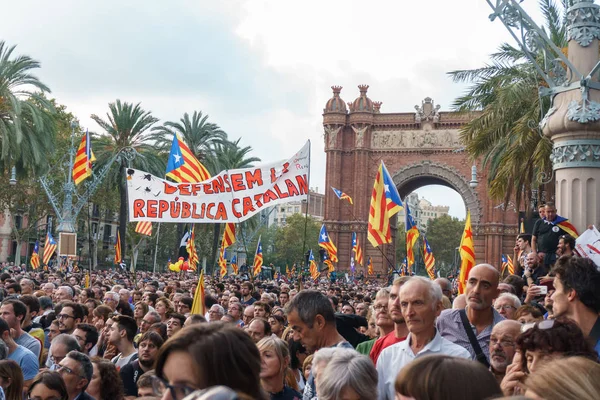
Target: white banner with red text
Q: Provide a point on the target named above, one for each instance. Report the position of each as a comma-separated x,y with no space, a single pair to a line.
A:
231,196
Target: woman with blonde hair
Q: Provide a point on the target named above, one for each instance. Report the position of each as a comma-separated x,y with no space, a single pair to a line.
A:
571,378
164,308
275,375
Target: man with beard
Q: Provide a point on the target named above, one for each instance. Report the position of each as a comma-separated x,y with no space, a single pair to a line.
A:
150,343
479,317
69,317
395,313
502,347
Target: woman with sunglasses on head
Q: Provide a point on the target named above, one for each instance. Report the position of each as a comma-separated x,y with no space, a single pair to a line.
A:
541,342
203,355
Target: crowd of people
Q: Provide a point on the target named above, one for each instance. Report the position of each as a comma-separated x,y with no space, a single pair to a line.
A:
109,335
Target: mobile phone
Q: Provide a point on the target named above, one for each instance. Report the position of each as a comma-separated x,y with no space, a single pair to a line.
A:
543,289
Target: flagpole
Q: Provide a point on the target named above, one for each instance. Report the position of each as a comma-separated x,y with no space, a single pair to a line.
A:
378,248
156,247
307,203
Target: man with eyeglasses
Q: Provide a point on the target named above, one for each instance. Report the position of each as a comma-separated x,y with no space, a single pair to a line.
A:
62,345
236,310
507,304
185,305
393,311
215,313
382,319
76,370
69,317
502,346
111,299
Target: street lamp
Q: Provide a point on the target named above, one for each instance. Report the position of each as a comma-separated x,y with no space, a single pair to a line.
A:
473,183
13,176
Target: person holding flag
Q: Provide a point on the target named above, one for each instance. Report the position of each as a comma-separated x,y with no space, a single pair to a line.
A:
547,232
429,259
258,259
342,196
385,203
326,243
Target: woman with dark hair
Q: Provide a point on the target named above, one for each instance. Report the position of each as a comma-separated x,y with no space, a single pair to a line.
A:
442,377
106,383
204,355
277,325
542,342
298,354
48,385
11,380
139,311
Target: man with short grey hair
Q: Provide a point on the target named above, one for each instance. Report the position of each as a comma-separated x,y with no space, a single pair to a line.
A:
26,286
111,299
421,303
60,347
507,304
76,370
64,293
215,313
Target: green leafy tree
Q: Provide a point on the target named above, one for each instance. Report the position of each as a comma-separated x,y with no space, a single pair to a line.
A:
290,240
444,234
127,137
505,133
27,126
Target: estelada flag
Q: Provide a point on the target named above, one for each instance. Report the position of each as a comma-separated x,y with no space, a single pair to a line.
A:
385,203
467,255
182,165
326,243
341,195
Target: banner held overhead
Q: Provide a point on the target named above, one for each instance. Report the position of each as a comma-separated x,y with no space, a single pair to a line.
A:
231,196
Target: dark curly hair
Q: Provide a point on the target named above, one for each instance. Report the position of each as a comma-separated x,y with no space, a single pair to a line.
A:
111,385
582,275
564,337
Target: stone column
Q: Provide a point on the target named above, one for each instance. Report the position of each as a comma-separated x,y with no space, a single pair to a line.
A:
573,123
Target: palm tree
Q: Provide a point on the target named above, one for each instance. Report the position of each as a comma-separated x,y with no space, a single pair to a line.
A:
126,138
199,134
27,125
505,132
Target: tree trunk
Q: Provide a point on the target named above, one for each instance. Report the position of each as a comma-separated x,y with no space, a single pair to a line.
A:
123,209
136,252
94,254
215,248
18,253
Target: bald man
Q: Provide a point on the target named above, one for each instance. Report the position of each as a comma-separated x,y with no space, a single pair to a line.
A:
479,316
503,346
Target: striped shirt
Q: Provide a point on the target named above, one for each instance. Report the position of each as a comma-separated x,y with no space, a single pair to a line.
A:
451,327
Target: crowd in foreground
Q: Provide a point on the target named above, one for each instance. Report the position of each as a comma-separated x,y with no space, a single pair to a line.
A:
534,334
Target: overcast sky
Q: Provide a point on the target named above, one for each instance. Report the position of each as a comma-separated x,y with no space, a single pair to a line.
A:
262,69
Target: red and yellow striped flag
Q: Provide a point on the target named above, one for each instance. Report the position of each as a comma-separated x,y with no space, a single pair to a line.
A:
428,258
191,250
385,203
144,228
258,259
82,167
198,303
467,255
35,256
182,165
507,263
370,266
228,240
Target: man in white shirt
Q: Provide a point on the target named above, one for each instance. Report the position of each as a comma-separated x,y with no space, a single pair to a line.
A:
421,303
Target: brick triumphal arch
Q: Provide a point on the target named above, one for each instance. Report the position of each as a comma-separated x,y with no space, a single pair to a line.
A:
419,148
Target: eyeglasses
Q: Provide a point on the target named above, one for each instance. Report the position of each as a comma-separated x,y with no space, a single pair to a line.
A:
63,368
505,307
380,307
56,360
64,316
177,392
503,343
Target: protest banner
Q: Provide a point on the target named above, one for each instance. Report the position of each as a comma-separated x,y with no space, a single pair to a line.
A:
588,245
231,196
